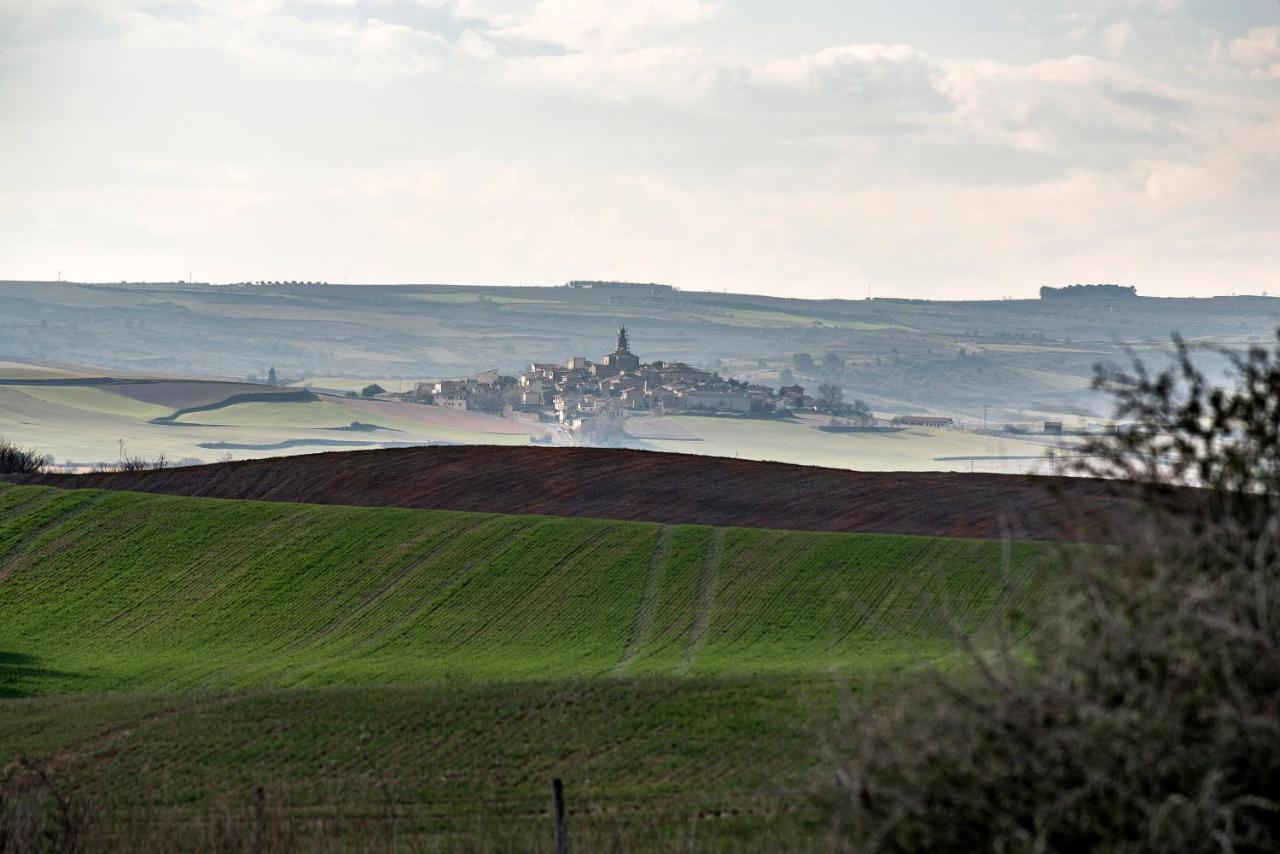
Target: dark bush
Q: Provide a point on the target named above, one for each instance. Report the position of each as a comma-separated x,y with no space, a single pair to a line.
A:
16,460
1143,711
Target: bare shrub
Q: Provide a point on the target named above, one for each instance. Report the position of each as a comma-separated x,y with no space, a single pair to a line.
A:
36,815
16,460
139,463
1143,713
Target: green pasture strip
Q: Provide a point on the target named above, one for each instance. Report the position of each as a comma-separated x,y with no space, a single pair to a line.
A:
442,766
115,591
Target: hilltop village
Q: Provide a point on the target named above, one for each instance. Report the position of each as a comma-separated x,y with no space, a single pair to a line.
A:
619,384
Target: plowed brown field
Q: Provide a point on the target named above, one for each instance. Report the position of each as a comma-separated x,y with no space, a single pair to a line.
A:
645,485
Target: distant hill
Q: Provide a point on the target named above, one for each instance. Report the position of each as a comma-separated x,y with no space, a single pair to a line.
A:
899,355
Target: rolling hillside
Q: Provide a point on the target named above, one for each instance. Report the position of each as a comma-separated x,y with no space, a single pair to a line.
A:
395,676
110,591
648,486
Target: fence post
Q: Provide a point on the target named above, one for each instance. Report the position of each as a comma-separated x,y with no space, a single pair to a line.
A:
557,800
259,819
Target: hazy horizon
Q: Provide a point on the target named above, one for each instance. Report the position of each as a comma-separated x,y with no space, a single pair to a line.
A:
1032,294
813,151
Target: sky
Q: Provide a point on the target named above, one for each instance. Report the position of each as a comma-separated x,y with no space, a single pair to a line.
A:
808,148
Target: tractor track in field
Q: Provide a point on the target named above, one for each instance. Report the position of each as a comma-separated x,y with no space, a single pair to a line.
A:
655,487
642,623
705,602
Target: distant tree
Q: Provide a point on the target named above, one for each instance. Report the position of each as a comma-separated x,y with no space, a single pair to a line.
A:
802,361
832,362
128,462
831,395
352,394
786,377
859,411
1089,291
272,379
372,390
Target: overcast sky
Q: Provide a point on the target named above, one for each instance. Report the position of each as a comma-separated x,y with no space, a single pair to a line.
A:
791,147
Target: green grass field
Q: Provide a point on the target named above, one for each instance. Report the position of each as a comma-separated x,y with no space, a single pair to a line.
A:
427,672
648,764
109,591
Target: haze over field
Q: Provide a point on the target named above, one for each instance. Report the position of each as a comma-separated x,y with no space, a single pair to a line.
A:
814,148
175,382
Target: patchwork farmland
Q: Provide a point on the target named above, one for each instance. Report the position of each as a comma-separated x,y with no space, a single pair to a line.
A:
85,421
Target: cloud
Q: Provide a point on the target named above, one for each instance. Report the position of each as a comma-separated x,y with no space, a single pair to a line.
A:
30,22
861,74
593,26
1116,37
532,140
368,49
1259,51
668,74
1080,106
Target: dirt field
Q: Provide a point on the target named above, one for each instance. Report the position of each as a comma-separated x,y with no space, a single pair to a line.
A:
641,485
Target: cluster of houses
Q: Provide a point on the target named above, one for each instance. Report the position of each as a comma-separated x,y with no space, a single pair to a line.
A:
619,383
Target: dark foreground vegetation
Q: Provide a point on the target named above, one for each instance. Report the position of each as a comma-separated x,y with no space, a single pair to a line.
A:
17,460
1145,715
